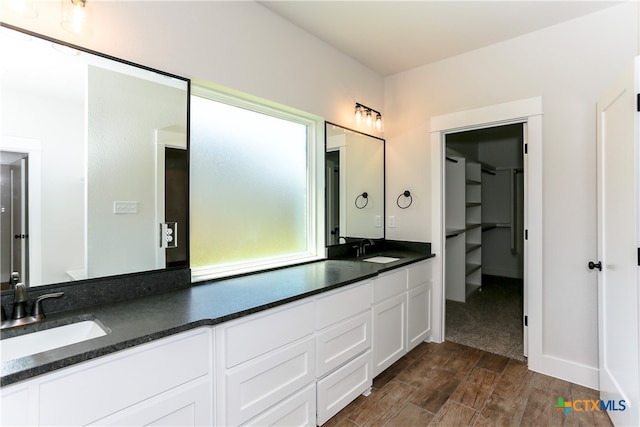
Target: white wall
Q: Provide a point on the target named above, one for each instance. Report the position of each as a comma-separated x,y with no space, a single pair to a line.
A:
569,65
240,45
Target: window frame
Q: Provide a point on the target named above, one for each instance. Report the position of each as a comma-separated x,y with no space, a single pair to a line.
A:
315,249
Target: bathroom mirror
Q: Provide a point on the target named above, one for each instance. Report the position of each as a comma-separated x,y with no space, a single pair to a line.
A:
94,161
354,185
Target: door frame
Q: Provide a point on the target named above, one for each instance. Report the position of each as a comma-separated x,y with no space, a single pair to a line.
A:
529,112
32,147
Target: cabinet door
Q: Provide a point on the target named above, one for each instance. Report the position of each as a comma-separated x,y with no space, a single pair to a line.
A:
15,407
389,335
187,405
418,315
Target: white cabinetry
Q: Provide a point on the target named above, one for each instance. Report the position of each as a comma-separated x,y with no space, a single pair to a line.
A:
463,198
263,362
401,313
164,382
343,323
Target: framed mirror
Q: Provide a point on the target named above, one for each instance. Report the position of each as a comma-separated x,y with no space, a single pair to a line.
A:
354,185
94,157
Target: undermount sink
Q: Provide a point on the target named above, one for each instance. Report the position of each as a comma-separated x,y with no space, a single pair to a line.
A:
381,259
49,339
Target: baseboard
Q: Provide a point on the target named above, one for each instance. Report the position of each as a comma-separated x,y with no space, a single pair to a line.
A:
563,369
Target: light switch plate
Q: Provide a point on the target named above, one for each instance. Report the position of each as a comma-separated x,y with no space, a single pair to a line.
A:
125,207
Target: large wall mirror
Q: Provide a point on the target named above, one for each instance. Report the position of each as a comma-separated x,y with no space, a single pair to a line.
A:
355,185
94,159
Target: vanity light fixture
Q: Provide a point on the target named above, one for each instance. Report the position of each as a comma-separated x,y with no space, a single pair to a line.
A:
75,16
367,112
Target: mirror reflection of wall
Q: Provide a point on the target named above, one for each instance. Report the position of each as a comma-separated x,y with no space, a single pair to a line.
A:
354,165
95,131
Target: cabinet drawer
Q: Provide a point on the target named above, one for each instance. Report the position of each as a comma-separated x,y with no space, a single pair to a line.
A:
260,383
342,304
389,285
259,334
419,274
343,386
187,405
84,394
297,410
343,341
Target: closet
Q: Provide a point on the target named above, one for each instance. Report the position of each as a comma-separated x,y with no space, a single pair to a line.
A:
483,208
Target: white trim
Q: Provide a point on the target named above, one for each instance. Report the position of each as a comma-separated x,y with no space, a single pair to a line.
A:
34,150
528,111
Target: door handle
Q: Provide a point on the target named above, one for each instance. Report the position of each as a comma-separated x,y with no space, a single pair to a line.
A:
593,265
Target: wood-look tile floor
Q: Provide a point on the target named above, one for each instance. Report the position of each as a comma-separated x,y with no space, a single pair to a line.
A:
450,384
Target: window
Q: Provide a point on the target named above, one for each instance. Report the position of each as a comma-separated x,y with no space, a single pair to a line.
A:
257,186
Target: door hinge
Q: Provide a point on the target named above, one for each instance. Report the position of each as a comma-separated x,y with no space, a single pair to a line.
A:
526,148
638,103
526,234
526,320
638,256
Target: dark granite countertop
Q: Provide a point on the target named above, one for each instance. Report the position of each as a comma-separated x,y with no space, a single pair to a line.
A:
140,320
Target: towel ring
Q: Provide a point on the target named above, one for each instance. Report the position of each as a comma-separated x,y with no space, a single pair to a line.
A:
406,194
365,196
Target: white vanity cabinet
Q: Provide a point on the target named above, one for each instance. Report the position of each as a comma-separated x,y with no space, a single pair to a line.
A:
343,340
165,382
401,301
389,302
265,364
419,285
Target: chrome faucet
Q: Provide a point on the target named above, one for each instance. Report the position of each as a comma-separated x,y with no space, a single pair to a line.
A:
19,315
363,245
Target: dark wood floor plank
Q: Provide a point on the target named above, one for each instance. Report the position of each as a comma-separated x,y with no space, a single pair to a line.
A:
410,415
435,389
493,362
381,405
499,412
476,388
455,414
515,383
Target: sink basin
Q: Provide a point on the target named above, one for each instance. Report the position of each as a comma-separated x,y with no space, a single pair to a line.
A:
48,339
381,259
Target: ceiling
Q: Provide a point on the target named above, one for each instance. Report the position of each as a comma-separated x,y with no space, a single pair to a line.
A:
393,36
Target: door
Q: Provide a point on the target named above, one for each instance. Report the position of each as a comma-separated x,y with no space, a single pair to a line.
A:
19,221
618,280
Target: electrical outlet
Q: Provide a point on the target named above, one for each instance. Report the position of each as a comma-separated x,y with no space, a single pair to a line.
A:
392,221
169,235
378,221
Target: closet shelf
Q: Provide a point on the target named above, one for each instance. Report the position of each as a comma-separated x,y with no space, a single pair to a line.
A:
472,247
486,226
453,232
470,268
471,204
471,226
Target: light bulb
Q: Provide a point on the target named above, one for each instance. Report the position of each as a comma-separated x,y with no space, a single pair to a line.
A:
378,122
369,119
358,113
75,16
